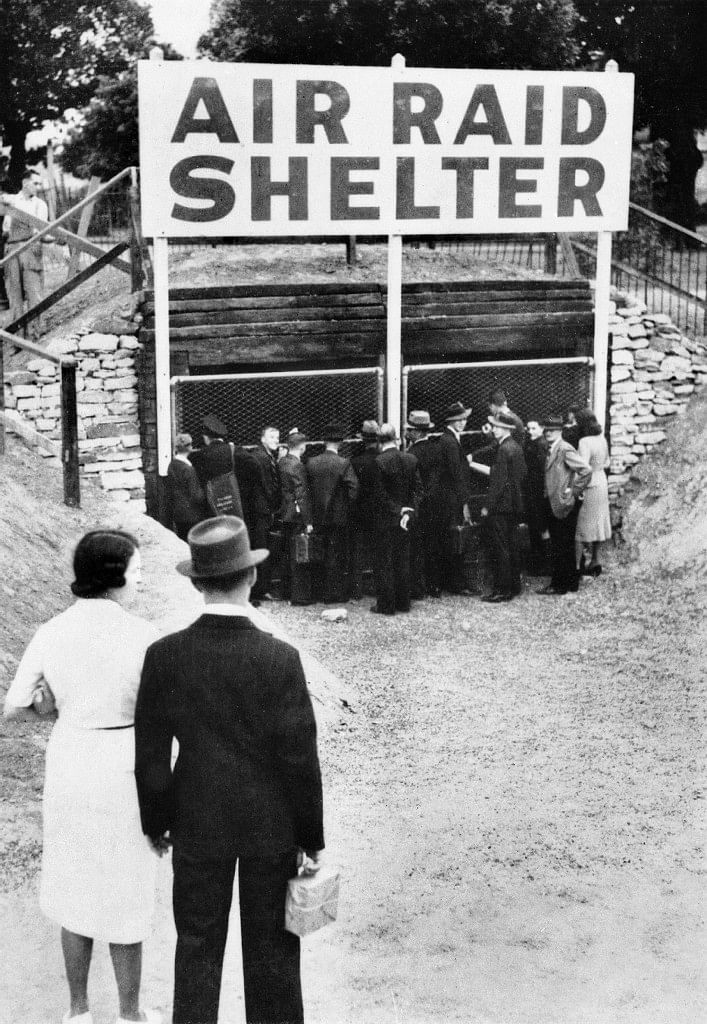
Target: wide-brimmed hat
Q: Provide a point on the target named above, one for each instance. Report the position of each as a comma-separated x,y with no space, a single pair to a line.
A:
370,429
456,411
295,437
213,427
502,419
552,423
419,419
334,432
219,547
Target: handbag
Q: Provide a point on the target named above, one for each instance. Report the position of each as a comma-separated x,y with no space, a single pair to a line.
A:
312,901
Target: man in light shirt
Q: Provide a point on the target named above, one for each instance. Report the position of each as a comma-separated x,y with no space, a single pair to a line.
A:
24,275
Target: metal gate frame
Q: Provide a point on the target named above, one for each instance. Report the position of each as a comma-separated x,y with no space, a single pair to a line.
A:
587,361
376,372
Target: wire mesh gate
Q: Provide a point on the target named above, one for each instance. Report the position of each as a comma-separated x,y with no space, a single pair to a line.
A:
306,399
534,387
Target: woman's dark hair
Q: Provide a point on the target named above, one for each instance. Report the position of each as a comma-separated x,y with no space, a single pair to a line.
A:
100,560
588,423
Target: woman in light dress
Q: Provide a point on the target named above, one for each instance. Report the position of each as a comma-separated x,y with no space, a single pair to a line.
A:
594,521
98,869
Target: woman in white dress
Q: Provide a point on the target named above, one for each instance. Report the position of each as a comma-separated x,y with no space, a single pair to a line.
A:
98,869
594,520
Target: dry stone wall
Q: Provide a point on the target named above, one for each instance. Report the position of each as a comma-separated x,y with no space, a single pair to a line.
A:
654,370
107,404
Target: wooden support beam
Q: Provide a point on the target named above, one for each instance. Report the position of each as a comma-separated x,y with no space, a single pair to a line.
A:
62,235
68,286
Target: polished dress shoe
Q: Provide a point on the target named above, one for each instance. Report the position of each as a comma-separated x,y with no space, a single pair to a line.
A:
497,598
550,591
379,611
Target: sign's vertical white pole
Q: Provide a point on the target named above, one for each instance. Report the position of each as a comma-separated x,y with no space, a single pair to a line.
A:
602,297
164,423
394,360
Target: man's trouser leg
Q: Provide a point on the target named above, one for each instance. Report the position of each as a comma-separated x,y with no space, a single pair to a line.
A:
336,565
13,286
201,897
259,539
271,955
384,573
499,553
401,566
33,287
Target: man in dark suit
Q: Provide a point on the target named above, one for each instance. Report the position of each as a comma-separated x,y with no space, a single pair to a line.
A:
535,451
296,518
266,503
334,489
399,501
185,498
365,509
566,477
246,786
425,540
503,509
451,501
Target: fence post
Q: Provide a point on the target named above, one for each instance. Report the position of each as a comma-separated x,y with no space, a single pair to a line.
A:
69,434
551,254
137,275
351,250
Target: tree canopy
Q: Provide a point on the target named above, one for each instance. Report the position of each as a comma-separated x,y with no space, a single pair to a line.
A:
429,33
662,42
52,55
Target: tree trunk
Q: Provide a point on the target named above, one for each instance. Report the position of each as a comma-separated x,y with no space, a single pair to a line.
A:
16,134
684,161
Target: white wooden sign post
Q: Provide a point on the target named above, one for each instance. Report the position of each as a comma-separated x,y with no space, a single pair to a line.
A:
265,150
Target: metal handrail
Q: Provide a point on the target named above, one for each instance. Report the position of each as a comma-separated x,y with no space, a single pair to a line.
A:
91,198
28,346
669,223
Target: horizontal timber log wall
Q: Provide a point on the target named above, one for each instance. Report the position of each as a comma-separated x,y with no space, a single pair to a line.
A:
281,326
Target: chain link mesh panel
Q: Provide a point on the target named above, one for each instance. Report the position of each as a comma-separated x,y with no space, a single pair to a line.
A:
534,388
306,400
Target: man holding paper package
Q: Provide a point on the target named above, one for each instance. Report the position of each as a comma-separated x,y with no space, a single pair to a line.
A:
245,789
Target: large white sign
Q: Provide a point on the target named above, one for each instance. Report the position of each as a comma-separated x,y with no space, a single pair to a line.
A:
259,149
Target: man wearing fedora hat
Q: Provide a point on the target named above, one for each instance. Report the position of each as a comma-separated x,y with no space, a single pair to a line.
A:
296,517
245,789
334,488
566,477
503,508
425,545
453,496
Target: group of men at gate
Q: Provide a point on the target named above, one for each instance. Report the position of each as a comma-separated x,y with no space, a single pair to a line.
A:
408,515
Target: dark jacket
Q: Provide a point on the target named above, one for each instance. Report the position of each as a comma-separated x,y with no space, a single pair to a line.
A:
454,485
267,493
334,489
212,460
296,501
429,463
186,501
367,470
505,495
401,486
247,778
535,452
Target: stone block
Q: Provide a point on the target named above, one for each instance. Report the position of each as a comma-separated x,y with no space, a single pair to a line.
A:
120,383
28,404
646,358
93,384
63,346
10,401
51,390
660,319
622,357
125,371
35,365
114,325
661,409
45,424
636,330
677,367
19,377
124,356
107,363
109,428
98,342
92,397
644,419
651,437
623,387
129,341
122,480
89,365
130,440
26,391
619,373
684,389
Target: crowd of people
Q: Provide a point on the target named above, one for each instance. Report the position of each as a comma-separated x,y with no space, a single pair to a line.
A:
331,514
